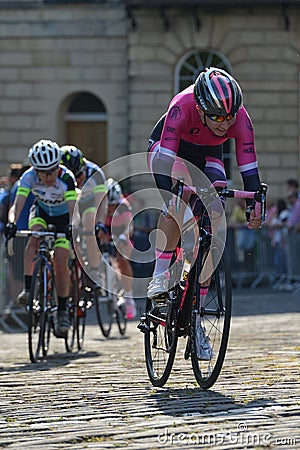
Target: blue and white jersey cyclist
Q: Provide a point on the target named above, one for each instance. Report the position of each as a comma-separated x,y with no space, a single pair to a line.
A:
91,207
53,186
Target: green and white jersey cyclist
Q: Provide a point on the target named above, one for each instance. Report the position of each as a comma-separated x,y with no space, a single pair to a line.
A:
91,206
53,186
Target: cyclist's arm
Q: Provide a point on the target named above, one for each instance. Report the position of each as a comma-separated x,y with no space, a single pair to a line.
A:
16,208
71,206
100,202
101,205
168,149
128,224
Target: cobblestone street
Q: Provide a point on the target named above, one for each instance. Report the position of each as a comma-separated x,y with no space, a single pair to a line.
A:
102,398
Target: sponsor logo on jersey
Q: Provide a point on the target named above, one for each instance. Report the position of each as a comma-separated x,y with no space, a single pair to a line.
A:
175,113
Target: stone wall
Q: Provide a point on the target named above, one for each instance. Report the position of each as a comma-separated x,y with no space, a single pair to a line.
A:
50,52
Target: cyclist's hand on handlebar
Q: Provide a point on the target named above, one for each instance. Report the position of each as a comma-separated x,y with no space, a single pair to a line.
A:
100,230
10,230
69,231
169,209
253,214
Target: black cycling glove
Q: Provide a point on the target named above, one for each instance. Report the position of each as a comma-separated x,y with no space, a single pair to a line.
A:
69,231
10,230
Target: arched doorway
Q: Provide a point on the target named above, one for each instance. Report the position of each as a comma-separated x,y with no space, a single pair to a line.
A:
86,126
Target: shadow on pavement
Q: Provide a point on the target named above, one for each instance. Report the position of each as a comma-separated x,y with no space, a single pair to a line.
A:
50,361
193,402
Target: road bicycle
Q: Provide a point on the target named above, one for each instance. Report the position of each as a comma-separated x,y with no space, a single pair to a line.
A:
109,300
78,305
42,306
105,293
185,313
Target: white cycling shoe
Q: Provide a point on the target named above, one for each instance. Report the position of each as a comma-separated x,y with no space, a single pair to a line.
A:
203,347
158,287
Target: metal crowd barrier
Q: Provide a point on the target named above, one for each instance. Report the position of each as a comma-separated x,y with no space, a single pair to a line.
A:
276,265
12,318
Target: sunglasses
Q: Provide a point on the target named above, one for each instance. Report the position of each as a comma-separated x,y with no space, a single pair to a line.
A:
215,118
47,173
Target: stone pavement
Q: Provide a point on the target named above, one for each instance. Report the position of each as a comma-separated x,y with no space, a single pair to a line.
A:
101,398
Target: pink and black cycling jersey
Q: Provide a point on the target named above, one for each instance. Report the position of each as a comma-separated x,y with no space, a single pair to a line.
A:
181,133
116,223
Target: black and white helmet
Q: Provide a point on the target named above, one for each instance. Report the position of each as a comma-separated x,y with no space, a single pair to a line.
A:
114,191
44,155
217,92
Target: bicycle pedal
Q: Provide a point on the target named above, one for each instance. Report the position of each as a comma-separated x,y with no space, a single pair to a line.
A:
143,327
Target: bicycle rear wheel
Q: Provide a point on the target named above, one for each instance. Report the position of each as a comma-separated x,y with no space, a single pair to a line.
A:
160,342
71,337
36,314
105,312
214,318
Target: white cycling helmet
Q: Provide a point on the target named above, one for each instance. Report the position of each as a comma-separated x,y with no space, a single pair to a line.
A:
44,155
114,191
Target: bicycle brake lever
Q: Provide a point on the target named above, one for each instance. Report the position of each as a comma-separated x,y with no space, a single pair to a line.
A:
177,190
260,197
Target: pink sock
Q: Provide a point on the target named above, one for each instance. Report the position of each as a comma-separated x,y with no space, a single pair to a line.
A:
203,294
162,263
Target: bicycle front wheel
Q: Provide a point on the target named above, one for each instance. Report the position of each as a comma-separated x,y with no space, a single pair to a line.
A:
51,307
160,342
104,298
36,314
121,316
105,312
212,319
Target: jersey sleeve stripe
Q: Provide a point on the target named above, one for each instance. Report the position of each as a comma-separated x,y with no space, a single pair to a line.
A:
23,191
70,195
100,188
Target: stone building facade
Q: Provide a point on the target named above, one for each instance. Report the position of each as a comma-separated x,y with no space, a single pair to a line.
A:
99,74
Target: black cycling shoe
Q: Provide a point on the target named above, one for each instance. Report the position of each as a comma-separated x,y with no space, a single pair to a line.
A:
63,323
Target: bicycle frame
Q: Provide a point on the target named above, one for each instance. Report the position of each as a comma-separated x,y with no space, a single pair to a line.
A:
205,239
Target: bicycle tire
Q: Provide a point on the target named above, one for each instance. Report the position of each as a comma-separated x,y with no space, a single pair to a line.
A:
105,312
36,313
121,317
104,300
215,318
81,323
160,343
71,336
51,300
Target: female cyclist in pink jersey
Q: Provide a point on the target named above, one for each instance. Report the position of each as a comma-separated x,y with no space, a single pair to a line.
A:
197,123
